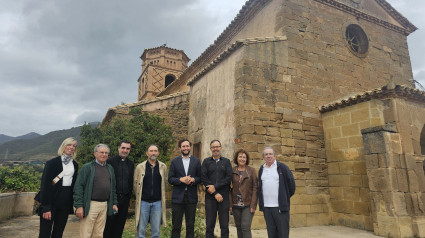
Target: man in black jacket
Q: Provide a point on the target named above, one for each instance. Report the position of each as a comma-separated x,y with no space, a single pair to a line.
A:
275,176
124,171
216,175
184,175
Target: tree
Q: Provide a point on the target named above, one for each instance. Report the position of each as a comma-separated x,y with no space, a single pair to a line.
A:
140,128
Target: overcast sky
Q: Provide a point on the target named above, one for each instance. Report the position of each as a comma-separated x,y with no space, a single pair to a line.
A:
63,63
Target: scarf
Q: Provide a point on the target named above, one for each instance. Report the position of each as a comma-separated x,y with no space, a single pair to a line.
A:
66,158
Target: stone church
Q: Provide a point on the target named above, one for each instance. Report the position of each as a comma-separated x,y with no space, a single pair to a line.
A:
329,85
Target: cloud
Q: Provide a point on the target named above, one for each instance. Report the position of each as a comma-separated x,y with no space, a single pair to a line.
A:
66,62
91,116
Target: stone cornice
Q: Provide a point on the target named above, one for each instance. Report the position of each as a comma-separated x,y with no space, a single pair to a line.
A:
396,15
388,91
409,27
165,47
230,50
248,11
251,8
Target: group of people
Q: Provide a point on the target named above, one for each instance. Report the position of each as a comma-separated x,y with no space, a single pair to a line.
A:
100,191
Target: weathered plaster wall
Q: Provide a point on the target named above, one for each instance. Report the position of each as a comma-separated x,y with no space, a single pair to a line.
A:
261,25
211,113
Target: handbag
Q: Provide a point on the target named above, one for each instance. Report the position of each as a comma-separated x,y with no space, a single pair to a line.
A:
37,198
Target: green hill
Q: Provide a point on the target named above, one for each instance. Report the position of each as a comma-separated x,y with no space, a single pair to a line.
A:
41,148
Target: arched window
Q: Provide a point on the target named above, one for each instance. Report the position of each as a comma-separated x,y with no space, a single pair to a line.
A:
169,79
423,141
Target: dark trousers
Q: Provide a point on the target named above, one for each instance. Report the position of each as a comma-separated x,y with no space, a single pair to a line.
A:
277,222
243,220
59,216
189,211
115,223
211,209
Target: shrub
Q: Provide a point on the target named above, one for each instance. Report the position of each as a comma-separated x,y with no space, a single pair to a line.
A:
140,128
20,178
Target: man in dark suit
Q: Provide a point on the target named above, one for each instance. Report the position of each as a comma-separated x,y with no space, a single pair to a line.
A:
124,171
184,175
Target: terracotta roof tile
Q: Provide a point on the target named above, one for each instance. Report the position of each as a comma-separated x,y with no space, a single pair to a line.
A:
388,91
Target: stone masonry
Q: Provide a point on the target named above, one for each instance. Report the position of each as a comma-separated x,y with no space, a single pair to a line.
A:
365,146
276,76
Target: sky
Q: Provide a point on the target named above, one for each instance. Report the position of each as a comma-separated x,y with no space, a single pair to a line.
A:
63,63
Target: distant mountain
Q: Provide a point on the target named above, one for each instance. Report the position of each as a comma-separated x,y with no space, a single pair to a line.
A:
40,148
6,138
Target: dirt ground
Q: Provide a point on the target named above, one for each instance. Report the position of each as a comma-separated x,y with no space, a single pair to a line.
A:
27,227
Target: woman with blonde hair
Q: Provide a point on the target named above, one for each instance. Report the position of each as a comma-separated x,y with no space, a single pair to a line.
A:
243,200
57,184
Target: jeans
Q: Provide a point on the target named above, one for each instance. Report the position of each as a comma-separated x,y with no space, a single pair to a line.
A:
243,220
277,222
150,212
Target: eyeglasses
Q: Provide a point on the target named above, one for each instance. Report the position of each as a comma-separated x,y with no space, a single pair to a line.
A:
102,152
215,147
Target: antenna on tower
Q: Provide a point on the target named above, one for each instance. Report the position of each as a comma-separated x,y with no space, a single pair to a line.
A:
417,84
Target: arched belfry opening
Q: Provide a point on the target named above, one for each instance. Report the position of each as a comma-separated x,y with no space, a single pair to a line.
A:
422,140
160,67
169,79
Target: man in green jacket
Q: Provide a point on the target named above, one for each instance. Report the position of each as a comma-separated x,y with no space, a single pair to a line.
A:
94,194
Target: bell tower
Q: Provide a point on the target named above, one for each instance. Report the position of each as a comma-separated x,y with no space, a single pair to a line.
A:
160,67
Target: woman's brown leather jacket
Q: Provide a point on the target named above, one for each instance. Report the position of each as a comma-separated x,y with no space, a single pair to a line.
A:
248,187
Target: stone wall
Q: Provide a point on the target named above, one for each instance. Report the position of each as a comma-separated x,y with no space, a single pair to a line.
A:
279,87
16,204
176,116
268,113
322,67
348,181
376,180
396,183
410,120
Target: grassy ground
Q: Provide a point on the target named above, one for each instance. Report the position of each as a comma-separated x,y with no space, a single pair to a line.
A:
130,227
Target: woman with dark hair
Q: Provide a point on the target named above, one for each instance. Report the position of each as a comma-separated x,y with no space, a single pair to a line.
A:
57,184
243,200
